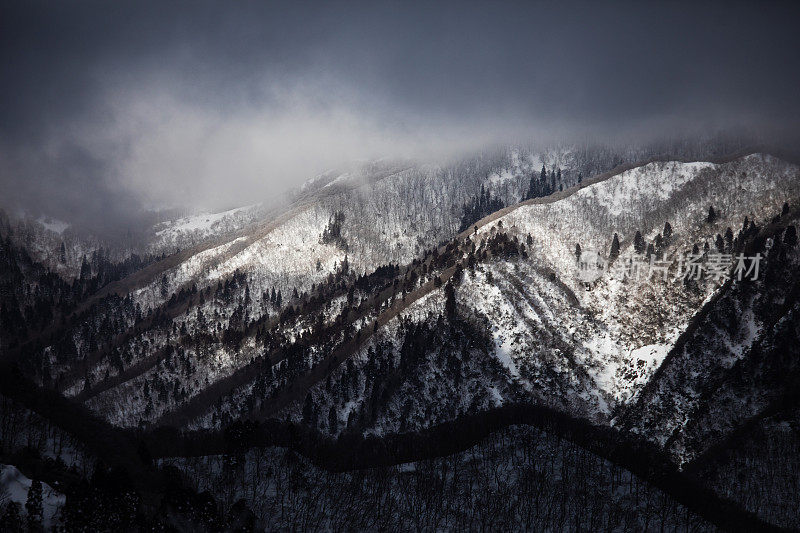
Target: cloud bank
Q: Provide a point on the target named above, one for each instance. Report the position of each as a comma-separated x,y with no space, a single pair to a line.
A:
107,108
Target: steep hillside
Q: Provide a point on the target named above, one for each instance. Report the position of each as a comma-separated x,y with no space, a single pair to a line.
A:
343,311
758,468
603,346
737,363
539,330
385,212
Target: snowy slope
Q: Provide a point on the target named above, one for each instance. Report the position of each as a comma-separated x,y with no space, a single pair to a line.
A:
17,485
586,351
192,229
635,321
542,334
739,362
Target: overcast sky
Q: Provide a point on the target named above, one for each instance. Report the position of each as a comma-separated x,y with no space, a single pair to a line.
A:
106,107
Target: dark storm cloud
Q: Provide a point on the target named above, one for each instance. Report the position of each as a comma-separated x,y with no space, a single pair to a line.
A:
107,105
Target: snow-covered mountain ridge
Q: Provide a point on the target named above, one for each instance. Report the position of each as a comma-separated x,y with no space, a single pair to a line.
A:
618,356
539,334
600,352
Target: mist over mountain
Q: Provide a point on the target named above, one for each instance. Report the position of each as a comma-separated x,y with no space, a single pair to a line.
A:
115,108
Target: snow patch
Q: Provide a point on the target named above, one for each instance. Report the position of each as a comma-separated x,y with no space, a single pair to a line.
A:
18,486
503,352
202,221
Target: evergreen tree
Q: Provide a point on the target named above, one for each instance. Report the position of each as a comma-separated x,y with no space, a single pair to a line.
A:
333,421
62,255
577,252
450,302
712,215
458,274
482,205
729,239
614,248
86,269
719,243
308,410
33,506
785,210
332,234
667,231
638,243
539,188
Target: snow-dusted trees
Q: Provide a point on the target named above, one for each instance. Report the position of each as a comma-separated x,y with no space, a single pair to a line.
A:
332,234
545,185
164,287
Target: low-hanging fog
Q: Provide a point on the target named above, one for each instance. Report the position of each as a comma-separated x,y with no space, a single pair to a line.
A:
110,108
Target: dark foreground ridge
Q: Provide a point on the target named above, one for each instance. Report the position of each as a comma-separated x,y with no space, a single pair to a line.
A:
122,448
354,452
